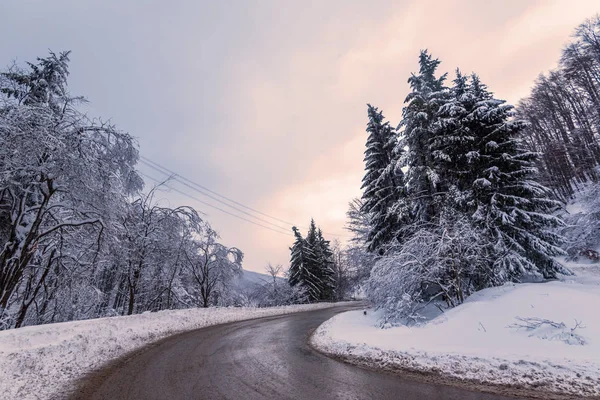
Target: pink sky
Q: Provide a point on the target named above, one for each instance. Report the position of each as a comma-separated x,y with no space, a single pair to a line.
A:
326,87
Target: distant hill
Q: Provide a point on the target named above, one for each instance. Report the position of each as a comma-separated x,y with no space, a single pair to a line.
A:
251,279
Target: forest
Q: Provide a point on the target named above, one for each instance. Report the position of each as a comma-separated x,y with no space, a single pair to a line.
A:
79,236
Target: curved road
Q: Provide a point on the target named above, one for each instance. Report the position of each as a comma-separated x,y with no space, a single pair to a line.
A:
266,358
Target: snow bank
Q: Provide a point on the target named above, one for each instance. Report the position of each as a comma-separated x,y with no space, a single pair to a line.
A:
39,362
478,341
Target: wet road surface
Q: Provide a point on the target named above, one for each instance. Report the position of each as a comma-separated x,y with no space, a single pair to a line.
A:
267,358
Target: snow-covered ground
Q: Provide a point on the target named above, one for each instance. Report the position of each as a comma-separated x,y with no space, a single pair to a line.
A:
41,362
481,340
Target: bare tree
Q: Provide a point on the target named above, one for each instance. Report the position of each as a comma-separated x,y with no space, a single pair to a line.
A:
78,236
212,265
274,272
563,111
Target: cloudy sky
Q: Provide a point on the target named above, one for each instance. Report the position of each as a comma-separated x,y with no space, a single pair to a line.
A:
265,101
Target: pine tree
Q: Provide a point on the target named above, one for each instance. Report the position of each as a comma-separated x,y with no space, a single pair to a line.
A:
45,84
418,132
315,259
482,220
489,175
508,203
383,183
312,264
324,258
302,266
453,137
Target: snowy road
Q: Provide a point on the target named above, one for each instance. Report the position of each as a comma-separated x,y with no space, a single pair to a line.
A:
266,358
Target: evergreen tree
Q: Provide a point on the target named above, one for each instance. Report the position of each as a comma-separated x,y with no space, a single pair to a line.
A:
418,132
312,264
515,210
481,218
453,137
302,266
45,83
488,174
325,262
315,261
383,183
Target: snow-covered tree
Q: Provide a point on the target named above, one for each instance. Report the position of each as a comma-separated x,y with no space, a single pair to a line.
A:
487,172
152,239
515,210
302,263
453,138
311,264
582,230
358,222
436,267
357,255
211,266
383,183
481,219
78,236
325,267
417,131
61,175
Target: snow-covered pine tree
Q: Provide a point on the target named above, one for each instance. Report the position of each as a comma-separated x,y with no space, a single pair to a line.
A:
489,221
453,138
383,183
298,257
45,83
302,266
314,266
417,131
324,258
508,204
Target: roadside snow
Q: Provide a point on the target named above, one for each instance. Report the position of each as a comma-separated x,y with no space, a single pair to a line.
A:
40,362
476,342
586,273
575,207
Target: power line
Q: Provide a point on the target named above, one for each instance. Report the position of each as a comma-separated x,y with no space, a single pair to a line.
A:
213,206
213,192
199,188
178,179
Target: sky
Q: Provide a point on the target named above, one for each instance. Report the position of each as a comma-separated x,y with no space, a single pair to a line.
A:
264,102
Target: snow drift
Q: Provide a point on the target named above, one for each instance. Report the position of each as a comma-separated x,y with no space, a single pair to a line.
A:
539,335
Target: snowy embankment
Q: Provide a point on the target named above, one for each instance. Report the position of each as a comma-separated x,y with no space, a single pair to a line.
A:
41,362
542,336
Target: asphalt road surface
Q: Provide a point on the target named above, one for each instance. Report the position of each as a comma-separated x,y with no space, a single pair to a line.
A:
266,358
